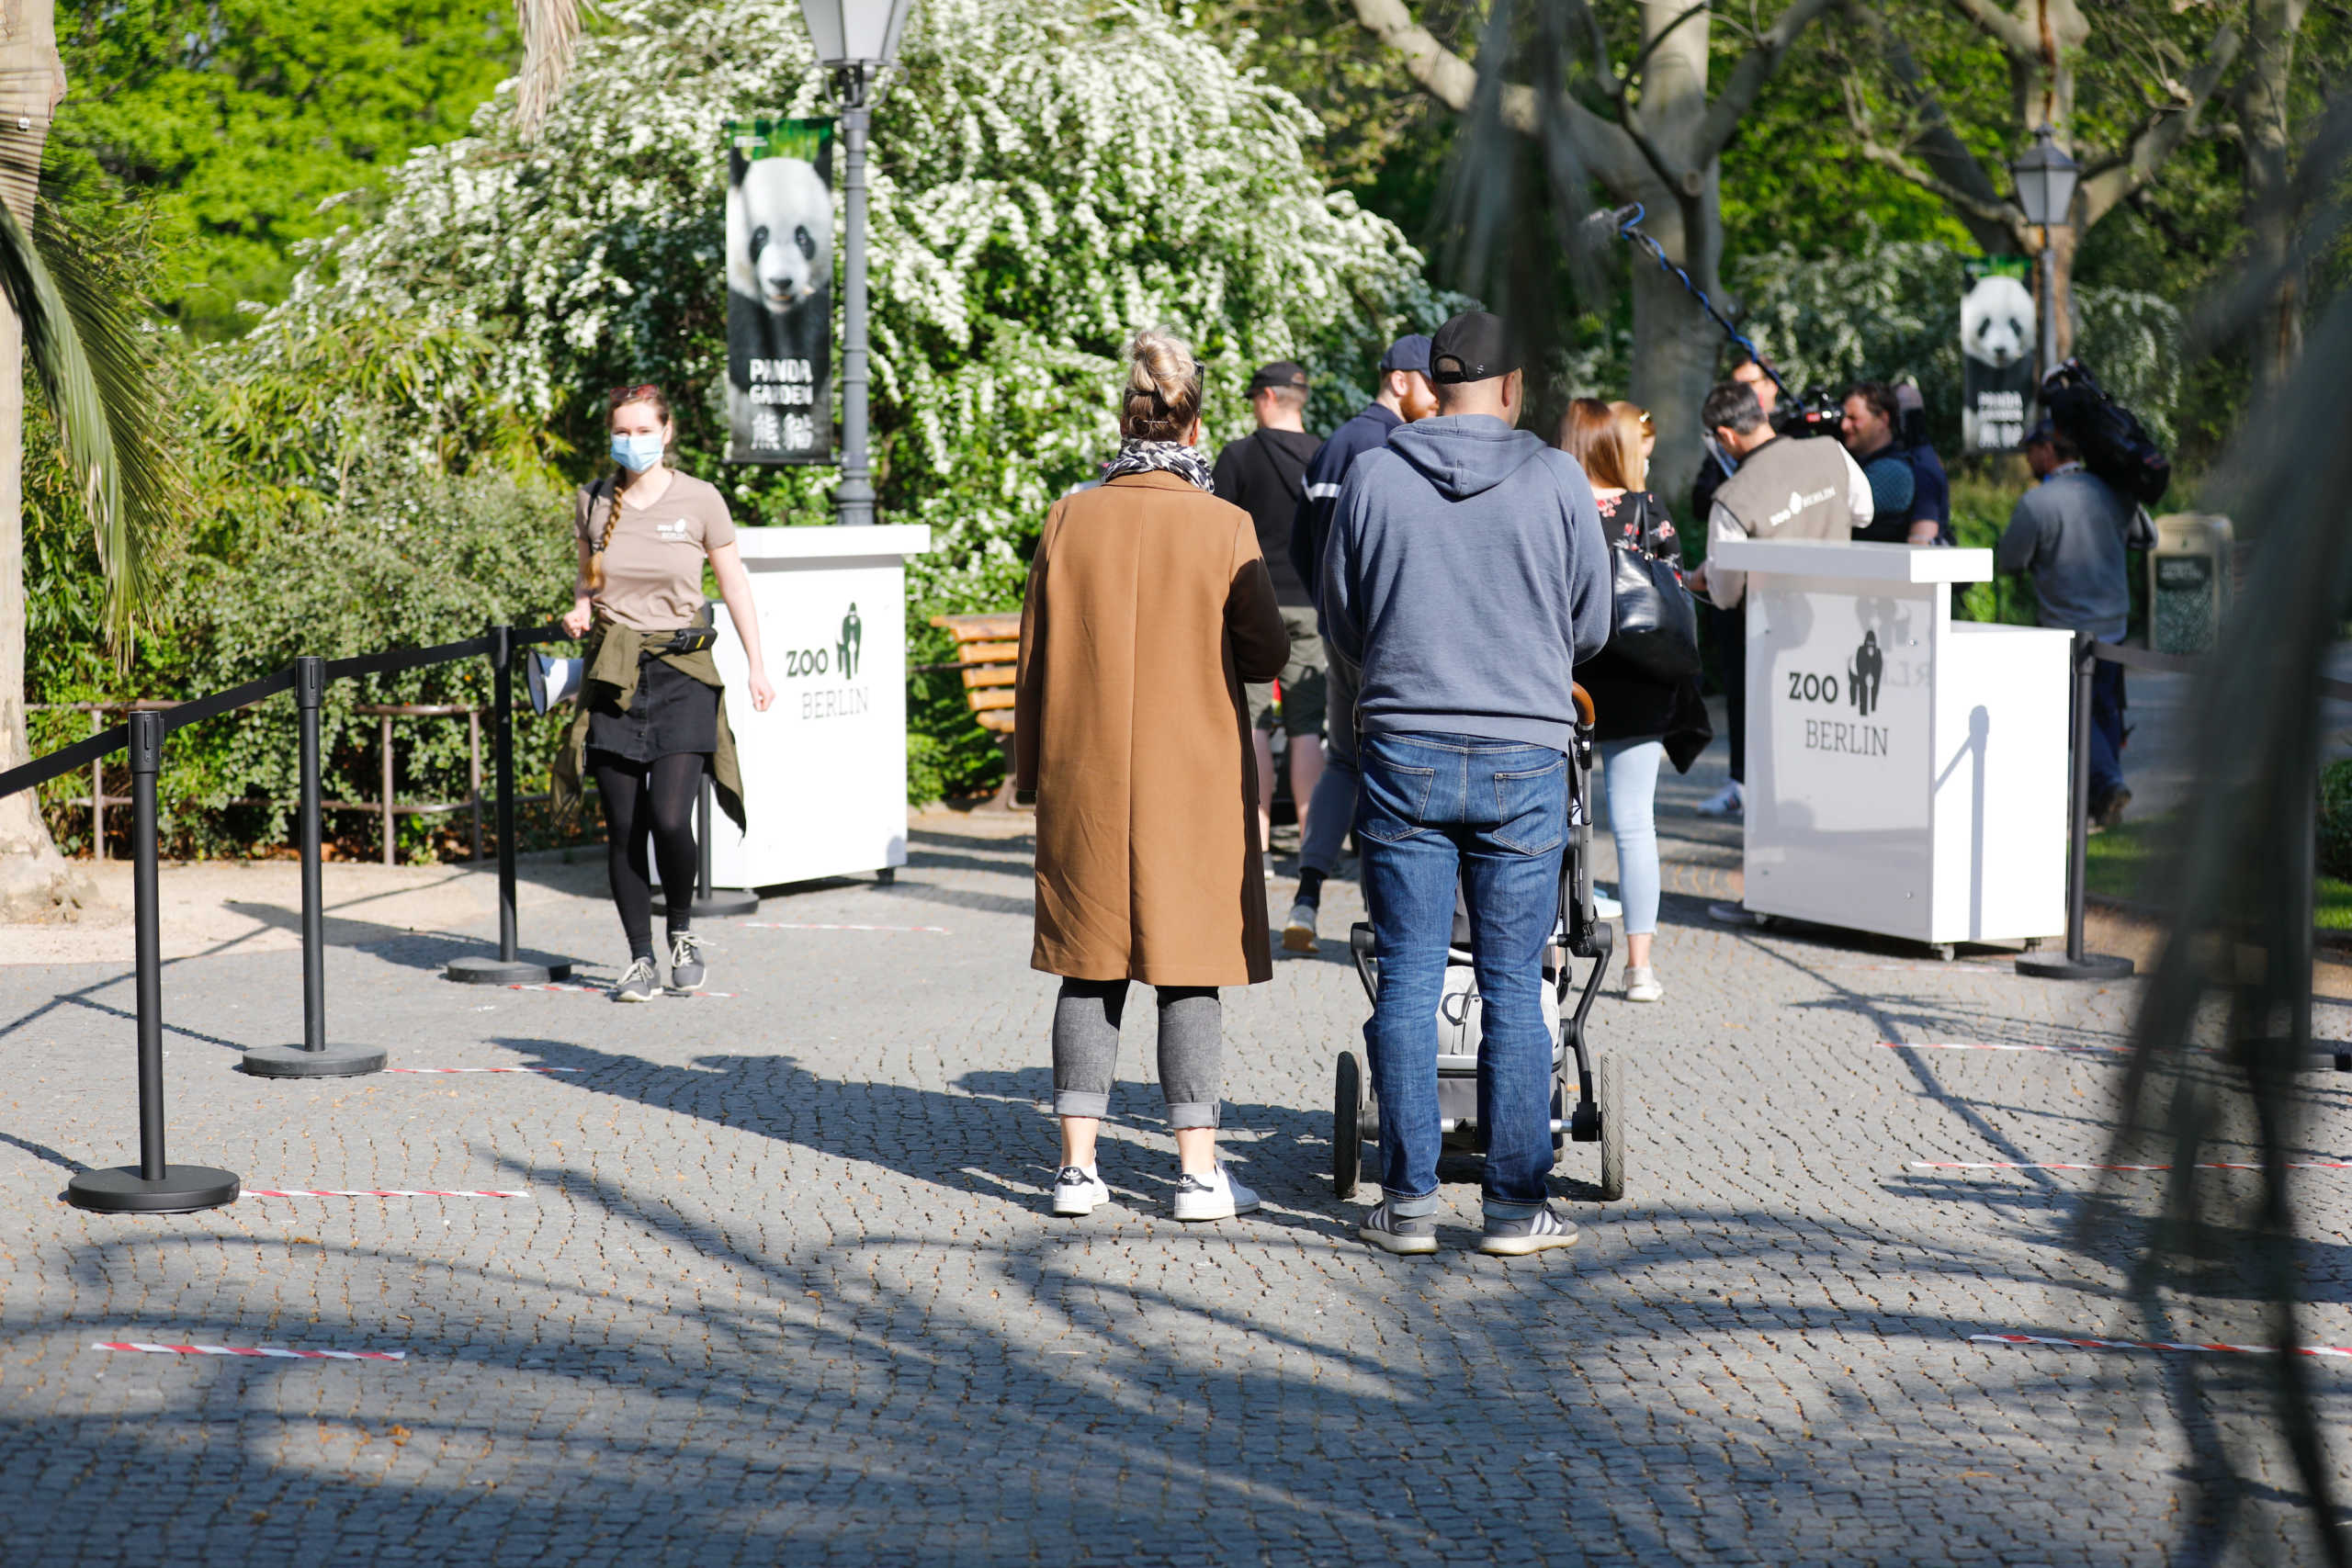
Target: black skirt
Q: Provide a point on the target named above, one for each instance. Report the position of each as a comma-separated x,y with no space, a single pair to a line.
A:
669,711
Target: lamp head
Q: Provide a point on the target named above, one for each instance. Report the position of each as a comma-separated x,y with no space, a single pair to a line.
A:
855,32
2045,178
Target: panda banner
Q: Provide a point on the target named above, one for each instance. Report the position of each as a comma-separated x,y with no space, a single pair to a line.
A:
1998,338
780,292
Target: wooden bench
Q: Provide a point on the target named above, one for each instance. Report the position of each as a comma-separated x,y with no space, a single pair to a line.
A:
988,648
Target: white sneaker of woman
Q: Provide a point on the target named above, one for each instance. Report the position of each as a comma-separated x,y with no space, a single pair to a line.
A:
1215,1196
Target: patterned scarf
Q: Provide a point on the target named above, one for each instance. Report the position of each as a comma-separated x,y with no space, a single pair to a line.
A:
1169,457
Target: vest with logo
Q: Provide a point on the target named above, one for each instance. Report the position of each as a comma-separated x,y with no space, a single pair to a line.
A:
1790,488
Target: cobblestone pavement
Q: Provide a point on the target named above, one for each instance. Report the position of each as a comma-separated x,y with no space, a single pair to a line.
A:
784,1289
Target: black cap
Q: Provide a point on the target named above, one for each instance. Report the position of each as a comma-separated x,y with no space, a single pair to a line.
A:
2040,430
1410,352
1281,373
1474,346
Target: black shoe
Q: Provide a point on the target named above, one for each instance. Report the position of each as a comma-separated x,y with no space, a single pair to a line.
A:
2107,810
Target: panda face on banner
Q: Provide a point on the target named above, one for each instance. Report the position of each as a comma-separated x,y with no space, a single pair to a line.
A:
779,291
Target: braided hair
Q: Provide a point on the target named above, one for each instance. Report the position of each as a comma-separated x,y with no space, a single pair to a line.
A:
620,398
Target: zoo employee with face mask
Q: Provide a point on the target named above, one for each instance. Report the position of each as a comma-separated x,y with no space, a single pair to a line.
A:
651,723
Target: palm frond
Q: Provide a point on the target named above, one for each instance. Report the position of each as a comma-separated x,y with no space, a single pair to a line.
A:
83,341
551,33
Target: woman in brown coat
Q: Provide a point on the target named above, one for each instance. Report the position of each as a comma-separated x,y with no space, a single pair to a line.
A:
1149,607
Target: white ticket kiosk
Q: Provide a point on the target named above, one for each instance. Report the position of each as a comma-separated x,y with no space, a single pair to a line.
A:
1906,772
825,768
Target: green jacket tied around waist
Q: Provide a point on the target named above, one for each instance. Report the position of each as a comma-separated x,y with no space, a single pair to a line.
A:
613,654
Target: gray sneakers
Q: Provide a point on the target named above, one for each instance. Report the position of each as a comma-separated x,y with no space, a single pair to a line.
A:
1538,1231
639,983
686,968
1408,1237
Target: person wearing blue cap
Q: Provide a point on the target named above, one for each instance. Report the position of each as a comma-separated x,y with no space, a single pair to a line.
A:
1405,395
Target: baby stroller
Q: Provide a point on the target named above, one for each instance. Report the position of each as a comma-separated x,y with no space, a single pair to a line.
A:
1587,1087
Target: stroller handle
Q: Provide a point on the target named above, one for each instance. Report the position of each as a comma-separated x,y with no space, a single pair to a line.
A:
1584,702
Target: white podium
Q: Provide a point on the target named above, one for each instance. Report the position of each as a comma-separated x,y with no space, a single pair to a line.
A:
825,768
1906,773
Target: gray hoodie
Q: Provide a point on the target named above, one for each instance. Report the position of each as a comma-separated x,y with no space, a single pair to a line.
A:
1467,574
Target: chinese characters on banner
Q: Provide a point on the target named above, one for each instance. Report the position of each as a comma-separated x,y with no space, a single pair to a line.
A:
780,292
1999,340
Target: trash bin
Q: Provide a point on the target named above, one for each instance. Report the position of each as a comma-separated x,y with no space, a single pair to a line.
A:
2188,582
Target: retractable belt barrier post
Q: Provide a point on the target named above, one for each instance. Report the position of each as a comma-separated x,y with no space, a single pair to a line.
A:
2074,964
509,968
152,1186
314,1059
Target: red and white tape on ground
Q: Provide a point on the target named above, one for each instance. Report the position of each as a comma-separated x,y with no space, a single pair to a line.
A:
1988,1046
794,926
266,1350
606,990
2202,1165
2152,1345
482,1069
372,1192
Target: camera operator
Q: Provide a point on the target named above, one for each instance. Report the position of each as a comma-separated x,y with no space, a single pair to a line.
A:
1869,429
1727,633
1931,494
1785,487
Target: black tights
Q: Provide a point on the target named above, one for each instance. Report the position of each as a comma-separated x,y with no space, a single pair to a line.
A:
659,796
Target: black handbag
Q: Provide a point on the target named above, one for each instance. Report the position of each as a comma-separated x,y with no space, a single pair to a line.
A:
1654,626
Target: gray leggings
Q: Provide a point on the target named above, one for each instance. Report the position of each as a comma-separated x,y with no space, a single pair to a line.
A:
1086,1049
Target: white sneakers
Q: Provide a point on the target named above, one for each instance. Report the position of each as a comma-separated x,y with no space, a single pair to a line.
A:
1728,801
1298,932
1215,1196
1641,984
1077,1191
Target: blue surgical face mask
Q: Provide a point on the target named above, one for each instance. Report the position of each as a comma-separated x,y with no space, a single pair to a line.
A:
636,453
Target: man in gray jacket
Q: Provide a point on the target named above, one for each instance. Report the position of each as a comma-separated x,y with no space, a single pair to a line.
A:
1465,576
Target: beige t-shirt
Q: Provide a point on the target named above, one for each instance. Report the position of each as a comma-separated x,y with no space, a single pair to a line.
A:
654,566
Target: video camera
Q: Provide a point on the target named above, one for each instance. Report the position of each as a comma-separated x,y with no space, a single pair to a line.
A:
1818,412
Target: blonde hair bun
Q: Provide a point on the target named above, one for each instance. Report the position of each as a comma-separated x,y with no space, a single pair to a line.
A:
1163,394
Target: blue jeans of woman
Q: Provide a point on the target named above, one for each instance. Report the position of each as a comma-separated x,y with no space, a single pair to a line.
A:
1438,812
1629,774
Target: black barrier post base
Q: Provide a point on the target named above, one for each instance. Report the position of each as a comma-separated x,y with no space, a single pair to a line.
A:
183,1189
152,1186
509,967
314,1058
2074,964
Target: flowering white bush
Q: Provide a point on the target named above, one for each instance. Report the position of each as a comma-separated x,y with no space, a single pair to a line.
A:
1047,175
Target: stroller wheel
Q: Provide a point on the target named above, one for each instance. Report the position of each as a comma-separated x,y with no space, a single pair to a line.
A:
1347,1127
1609,1089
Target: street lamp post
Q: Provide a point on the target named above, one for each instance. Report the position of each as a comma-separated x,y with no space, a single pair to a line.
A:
854,40
2045,178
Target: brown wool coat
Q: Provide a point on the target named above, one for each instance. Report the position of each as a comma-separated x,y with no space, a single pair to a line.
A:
1148,606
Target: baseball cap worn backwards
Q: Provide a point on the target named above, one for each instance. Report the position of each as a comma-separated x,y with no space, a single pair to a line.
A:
1474,346
1410,352
1281,373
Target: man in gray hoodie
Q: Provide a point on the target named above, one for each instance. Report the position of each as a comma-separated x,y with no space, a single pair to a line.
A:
1467,574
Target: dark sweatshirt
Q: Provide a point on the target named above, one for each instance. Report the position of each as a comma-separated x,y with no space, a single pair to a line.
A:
1325,475
1264,473
1467,575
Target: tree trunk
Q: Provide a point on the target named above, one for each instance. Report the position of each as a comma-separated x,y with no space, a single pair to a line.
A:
1676,348
36,882
2263,108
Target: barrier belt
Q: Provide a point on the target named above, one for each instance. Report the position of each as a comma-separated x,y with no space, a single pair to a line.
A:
552,632
78,755
2181,664
405,659
219,703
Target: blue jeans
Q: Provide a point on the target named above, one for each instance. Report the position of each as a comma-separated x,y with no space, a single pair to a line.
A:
1437,812
1630,770
2107,730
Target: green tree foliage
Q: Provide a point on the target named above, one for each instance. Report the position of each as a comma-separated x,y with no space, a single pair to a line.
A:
239,120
